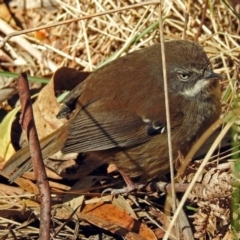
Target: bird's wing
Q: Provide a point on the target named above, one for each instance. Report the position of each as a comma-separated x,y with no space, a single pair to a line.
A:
104,125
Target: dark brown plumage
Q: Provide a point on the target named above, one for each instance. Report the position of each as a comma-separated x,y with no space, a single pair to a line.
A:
121,107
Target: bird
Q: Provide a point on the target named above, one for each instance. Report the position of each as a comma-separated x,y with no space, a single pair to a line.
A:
117,114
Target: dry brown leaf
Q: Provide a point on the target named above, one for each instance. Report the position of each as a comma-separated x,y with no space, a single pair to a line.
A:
58,186
114,228
27,185
113,219
121,203
50,174
75,202
45,110
11,190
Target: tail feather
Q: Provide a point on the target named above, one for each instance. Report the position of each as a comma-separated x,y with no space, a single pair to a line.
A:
21,162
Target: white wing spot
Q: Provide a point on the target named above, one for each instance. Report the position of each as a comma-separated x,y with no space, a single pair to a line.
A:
146,120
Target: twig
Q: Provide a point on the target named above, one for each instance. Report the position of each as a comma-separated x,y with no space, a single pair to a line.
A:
28,124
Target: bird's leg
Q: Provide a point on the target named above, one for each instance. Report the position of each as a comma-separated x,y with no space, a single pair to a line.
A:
131,186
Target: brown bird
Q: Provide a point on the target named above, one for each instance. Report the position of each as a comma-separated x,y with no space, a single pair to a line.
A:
118,112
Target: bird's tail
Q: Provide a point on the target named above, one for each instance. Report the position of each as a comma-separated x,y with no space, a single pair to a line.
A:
21,162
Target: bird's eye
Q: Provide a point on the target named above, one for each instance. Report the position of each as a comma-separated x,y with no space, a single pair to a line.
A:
184,76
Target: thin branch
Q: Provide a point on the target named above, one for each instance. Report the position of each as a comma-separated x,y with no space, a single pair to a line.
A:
28,124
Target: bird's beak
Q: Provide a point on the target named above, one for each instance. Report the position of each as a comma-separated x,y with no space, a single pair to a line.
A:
212,75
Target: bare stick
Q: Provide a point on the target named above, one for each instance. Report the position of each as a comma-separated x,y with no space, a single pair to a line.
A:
28,125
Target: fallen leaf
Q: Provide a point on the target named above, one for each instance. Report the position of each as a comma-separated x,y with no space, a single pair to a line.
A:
117,221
